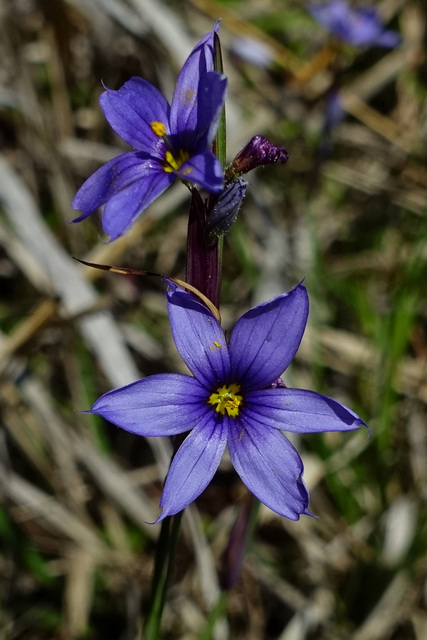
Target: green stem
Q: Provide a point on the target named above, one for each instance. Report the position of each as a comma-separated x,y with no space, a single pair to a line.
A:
164,560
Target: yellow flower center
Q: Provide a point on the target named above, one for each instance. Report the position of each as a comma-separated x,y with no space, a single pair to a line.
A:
158,129
173,162
227,400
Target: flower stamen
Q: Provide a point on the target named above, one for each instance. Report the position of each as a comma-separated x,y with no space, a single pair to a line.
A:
173,162
227,399
158,128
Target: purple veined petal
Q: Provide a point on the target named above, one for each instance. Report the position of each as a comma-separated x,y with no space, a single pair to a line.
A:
300,411
131,110
194,465
124,207
267,337
204,170
107,181
200,129
212,92
160,405
183,114
199,338
269,466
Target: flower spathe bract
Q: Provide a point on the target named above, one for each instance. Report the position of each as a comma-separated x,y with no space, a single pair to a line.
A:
226,209
360,27
231,400
170,142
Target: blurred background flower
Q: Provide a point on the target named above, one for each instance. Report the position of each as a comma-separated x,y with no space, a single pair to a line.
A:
361,27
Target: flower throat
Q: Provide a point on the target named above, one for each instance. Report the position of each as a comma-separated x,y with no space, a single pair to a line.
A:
227,399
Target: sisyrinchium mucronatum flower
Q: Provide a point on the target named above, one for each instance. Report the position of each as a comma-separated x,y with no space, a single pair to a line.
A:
233,399
360,27
170,141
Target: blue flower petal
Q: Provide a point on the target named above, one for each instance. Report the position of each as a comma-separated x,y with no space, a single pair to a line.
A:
198,134
194,465
212,92
267,337
269,466
300,411
184,106
132,109
124,207
199,338
107,181
160,405
203,169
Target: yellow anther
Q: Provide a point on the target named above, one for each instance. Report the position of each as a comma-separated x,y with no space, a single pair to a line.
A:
227,400
173,162
158,128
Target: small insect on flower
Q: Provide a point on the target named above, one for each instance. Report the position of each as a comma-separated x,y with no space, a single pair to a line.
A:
170,142
232,400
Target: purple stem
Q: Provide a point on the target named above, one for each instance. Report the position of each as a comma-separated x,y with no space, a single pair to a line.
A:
203,263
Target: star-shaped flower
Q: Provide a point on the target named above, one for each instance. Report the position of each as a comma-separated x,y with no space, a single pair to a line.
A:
360,27
170,142
232,400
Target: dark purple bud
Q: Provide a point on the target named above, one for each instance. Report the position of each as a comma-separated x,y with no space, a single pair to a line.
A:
257,152
226,209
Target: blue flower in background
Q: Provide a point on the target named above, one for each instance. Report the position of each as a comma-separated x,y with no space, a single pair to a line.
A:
233,399
360,27
170,142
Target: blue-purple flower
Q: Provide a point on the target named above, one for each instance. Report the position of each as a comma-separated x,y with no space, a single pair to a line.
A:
170,142
360,27
231,400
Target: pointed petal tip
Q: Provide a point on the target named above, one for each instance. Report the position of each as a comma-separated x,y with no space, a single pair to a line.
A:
297,516
161,517
166,514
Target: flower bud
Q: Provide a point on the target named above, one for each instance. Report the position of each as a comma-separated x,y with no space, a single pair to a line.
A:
257,152
226,209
